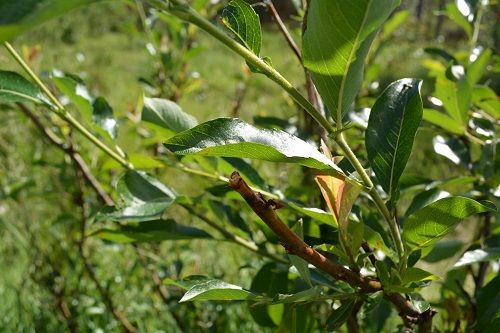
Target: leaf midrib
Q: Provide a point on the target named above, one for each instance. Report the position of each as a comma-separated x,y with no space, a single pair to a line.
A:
348,65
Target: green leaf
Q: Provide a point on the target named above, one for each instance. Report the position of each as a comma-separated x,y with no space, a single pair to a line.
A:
20,16
414,274
15,88
453,149
316,214
272,279
231,137
444,250
423,199
418,302
485,98
476,69
141,198
216,290
340,315
77,92
395,21
479,255
456,96
239,17
139,161
453,13
151,231
382,273
443,120
103,117
424,228
302,296
188,282
336,43
300,264
488,307
490,163
393,123
167,114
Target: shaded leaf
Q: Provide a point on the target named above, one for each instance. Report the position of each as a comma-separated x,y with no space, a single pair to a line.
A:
488,307
231,137
336,43
340,315
216,290
300,264
393,123
424,228
167,114
20,16
444,250
152,231
453,13
479,255
15,88
305,295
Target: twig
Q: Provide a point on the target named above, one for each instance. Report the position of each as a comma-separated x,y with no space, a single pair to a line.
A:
88,264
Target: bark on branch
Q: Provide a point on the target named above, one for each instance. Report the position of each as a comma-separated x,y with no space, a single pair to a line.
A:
265,209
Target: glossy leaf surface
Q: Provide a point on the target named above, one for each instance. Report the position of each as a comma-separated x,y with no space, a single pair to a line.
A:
15,88
479,255
102,116
336,43
231,137
393,123
76,91
215,290
167,114
424,228
141,198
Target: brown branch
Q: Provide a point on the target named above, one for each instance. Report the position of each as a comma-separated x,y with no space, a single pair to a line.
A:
296,246
86,260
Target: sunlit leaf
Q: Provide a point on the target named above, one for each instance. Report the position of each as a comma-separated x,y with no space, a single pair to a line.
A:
141,197
393,123
336,43
456,96
74,88
443,120
424,228
453,13
316,214
476,69
479,255
103,117
188,282
418,302
485,98
231,137
215,290
414,274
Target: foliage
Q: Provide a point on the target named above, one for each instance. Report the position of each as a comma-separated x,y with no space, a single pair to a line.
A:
327,246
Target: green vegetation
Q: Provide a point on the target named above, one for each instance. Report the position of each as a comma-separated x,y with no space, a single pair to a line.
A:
127,216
